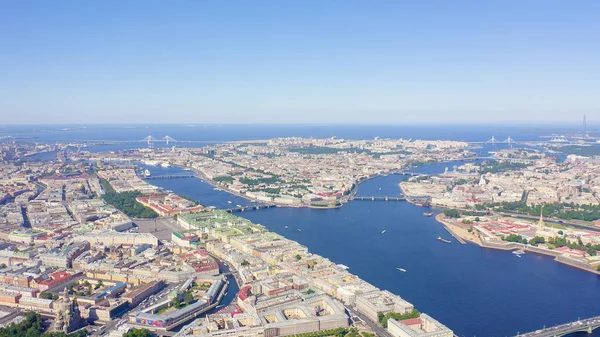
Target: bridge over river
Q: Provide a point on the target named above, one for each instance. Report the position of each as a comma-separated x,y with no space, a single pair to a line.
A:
168,176
585,325
374,198
249,208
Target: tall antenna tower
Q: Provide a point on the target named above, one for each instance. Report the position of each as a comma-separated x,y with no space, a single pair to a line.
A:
585,133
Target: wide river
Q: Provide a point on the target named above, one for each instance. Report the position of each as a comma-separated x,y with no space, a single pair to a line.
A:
474,291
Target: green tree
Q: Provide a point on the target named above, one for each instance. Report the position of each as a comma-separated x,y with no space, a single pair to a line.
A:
515,238
126,203
46,295
298,257
397,316
245,263
138,333
536,240
452,213
188,297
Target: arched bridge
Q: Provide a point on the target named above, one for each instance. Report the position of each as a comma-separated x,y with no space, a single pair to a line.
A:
585,325
374,198
168,176
249,208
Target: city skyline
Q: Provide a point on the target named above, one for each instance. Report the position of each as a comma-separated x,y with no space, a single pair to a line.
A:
266,62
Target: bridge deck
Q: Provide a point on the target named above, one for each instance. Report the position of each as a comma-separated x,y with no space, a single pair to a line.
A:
373,198
584,325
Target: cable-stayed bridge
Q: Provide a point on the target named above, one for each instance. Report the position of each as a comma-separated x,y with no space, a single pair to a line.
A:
168,140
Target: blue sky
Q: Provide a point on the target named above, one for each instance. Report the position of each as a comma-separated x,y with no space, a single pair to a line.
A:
299,61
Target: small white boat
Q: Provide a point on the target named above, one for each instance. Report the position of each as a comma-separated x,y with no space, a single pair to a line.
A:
402,270
299,230
518,255
286,227
383,231
165,164
146,173
380,188
229,202
238,206
443,240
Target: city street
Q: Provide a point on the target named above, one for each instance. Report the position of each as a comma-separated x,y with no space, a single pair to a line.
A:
377,329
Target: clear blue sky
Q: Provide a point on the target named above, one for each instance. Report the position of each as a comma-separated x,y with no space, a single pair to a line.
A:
191,61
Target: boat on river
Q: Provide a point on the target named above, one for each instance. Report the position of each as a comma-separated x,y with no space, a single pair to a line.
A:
428,213
402,270
519,252
146,173
383,231
443,240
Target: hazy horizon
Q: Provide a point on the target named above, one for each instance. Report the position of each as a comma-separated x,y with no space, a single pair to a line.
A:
311,62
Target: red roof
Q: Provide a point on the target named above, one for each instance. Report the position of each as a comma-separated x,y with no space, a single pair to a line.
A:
412,321
244,293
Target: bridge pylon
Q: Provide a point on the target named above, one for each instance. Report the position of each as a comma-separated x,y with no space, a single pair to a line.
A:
150,140
509,141
491,140
169,139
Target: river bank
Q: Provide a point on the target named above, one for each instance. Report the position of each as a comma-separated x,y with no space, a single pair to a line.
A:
474,279
344,200
457,231
464,234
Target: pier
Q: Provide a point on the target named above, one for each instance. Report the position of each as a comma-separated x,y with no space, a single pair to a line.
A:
373,198
456,236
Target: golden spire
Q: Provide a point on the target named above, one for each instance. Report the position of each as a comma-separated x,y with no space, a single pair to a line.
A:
541,223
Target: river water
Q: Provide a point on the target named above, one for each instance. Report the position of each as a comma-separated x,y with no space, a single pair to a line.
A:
473,290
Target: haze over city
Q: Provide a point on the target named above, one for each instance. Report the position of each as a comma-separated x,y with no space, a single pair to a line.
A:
299,168
303,62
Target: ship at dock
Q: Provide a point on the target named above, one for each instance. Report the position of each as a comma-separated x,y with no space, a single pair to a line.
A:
428,214
443,240
146,173
519,252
